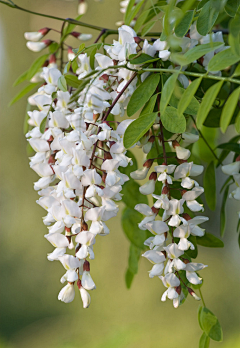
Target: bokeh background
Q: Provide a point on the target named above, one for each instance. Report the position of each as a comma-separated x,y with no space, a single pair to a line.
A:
31,315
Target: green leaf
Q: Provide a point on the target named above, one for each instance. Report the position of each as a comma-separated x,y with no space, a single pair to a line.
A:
72,80
237,71
195,53
231,7
188,95
129,278
21,78
141,19
147,27
211,325
222,211
210,241
149,106
192,108
62,83
182,28
142,94
137,129
132,11
206,19
134,256
207,102
131,195
91,51
222,60
43,125
36,65
230,147
167,91
209,183
53,47
204,341
199,315
130,220
67,67
23,92
142,59
228,110
237,123
192,253
173,122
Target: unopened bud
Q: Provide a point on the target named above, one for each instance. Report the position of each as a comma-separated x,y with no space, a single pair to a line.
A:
238,158
52,59
104,77
36,35
193,294
186,216
165,190
38,46
95,117
153,176
137,39
151,139
148,163
155,210
107,155
51,160
175,143
186,261
79,284
82,7
86,266
104,176
71,54
178,289
84,226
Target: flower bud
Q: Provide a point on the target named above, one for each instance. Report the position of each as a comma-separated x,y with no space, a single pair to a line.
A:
137,39
155,210
52,59
82,7
82,37
86,266
84,226
148,163
178,289
153,176
38,46
165,190
193,294
71,54
36,35
186,216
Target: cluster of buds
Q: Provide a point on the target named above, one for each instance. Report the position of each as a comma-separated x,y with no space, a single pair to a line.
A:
168,221
233,169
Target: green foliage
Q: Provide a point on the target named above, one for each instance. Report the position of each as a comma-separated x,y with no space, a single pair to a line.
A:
142,94
73,81
179,97
167,91
222,212
36,65
207,102
222,60
23,92
210,324
228,110
188,95
142,59
209,184
62,84
173,122
206,19
210,241
204,341
184,24
137,129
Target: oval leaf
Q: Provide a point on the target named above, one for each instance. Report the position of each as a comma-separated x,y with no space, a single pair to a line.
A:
142,94
210,241
172,121
62,83
188,95
210,325
137,129
167,91
222,60
36,65
206,19
228,110
207,102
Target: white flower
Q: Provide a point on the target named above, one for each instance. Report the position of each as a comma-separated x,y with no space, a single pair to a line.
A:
67,293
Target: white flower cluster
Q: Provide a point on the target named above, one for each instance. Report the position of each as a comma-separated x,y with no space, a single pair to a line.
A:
78,154
167,219
233,169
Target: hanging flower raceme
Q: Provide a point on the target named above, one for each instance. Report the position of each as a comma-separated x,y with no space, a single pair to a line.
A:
172,227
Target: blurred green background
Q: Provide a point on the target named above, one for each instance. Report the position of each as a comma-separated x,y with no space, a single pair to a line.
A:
31,315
